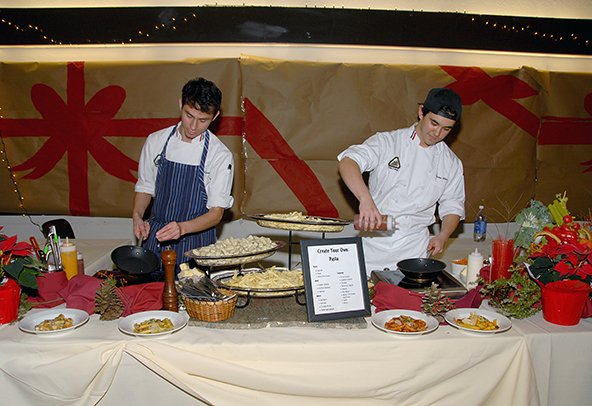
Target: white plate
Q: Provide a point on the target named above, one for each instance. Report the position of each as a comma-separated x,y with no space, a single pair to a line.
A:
380,319
502,321
126,325
79,317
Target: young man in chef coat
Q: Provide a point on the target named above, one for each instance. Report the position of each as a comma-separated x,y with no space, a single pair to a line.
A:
411,170
187,171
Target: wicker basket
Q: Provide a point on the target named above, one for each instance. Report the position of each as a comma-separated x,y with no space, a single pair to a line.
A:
212,311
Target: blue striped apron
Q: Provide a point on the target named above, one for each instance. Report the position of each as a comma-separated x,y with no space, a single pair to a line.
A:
179,195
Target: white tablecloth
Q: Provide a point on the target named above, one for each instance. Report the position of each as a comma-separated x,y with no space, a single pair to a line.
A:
561,355
97,364
562,359
290,366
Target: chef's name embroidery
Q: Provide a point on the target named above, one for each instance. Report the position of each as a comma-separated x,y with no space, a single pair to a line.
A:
441,177
395,164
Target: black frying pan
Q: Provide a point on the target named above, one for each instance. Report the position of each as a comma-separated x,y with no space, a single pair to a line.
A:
134,259
421,269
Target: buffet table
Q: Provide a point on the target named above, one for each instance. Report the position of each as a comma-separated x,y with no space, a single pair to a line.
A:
97,363
534,363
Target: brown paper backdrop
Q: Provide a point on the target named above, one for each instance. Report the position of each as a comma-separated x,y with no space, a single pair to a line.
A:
152,92
524,133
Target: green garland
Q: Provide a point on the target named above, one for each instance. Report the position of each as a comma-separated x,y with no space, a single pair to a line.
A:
517,297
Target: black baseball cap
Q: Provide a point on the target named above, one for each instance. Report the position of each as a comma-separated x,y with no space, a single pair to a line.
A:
444,102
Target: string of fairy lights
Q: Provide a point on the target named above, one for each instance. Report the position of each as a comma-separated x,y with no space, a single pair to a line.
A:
175,22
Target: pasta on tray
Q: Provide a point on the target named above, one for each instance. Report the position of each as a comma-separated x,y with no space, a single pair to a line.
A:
235,251
297,221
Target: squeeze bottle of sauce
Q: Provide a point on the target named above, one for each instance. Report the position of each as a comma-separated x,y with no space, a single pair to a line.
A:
388,223
69,258
80,263
474,265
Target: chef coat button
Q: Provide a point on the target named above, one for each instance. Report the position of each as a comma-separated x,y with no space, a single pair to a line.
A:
422,188
407,164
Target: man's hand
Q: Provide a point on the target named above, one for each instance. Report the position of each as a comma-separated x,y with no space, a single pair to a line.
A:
436,244
171,231
141,229
449,224
370,218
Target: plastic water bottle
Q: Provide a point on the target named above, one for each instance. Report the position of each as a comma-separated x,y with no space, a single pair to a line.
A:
480,230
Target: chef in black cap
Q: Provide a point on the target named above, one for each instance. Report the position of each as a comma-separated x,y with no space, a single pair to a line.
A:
411,172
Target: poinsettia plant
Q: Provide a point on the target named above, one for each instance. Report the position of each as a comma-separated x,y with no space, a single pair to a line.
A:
17,262
560,262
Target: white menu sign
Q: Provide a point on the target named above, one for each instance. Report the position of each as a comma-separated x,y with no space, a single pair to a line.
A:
335,278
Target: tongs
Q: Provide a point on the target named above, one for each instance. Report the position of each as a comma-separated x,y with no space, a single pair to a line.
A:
203,289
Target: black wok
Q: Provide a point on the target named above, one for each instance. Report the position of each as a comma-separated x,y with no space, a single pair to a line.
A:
134,259
421,269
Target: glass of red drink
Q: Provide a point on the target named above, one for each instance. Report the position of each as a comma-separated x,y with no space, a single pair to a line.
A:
503,256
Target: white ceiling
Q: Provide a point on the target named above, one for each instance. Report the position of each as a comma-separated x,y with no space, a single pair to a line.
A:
577,9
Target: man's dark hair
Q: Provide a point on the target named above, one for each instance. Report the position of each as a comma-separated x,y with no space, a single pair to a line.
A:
201,94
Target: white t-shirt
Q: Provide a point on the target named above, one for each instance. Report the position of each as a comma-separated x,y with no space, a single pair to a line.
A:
407,181
218,171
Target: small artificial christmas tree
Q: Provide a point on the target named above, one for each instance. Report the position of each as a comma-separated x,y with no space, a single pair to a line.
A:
436,303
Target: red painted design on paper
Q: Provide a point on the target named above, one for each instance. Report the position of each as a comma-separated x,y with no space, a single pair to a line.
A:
498,92
78,129
270,145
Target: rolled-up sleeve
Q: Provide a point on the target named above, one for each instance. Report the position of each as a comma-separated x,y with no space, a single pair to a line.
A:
147,169
219,175
366,155
453,198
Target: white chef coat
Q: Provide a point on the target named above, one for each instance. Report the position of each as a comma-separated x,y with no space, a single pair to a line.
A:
406,181
218,171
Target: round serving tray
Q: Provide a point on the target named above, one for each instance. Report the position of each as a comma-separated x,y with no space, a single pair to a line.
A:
323,224
235,260
223,276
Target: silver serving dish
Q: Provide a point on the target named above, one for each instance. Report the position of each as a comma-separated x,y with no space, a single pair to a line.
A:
220,279
236,259
320,224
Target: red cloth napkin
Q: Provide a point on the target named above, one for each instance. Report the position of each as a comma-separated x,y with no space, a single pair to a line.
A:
389,297
79,293
49,285
472,299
